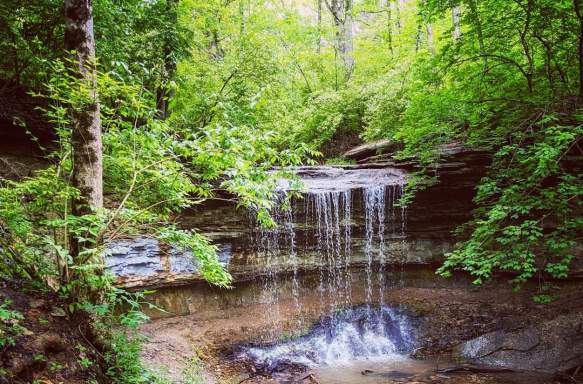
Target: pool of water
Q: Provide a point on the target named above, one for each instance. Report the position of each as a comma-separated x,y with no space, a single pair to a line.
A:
387,369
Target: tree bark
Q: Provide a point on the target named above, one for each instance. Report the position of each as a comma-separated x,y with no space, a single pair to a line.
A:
455,20
389,26
341,11
398,21
218,52
242,21
579,13
165,92
478,25
319,46
430,42
418,38
86,136
347,43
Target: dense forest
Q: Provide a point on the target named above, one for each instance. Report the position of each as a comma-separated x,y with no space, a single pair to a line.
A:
142,109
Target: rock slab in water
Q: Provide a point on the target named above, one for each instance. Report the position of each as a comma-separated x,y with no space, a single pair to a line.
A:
550,346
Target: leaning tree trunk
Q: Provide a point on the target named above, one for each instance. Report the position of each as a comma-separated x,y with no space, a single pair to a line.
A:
86,137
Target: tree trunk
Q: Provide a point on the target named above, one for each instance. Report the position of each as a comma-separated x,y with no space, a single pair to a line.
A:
319,46
579,13
389,26
455,20
548,61
242,20
341,11
398,21
347,44
218,52
430,43
418,38
478,25
165,93
86,137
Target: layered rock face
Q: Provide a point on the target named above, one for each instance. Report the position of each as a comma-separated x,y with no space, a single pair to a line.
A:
347,216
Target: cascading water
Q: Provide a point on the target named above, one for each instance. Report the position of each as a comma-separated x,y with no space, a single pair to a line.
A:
329,218
331,224
270,243
349,335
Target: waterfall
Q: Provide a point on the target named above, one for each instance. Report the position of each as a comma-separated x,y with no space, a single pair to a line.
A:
270,244
332,231
336,234
347,225
328,245
347,204
374,209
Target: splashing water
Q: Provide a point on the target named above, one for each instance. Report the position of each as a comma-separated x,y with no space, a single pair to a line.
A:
349,335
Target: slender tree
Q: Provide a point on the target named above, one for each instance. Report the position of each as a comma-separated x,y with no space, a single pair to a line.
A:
165,92
86,137
579,14
398,21
418,36
387,6
475,16
455,20
430,42
341,11
319,21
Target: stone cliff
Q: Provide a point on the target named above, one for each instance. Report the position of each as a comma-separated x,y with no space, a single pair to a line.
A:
417,235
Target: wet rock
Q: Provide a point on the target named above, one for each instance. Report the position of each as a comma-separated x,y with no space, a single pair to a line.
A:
552,345
145,262
388,375
418,235
320,179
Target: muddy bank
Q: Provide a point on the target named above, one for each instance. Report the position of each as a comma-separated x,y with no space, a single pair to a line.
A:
49,345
